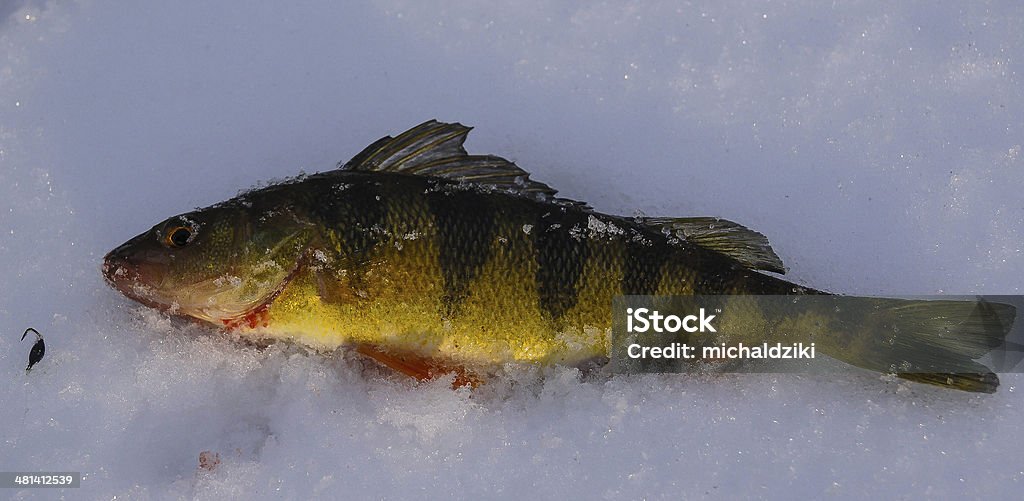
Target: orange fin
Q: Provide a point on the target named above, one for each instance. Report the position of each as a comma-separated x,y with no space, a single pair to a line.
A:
419,367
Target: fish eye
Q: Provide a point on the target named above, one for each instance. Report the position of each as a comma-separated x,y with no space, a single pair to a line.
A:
178,236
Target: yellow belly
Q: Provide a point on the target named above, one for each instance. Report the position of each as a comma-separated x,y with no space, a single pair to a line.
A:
401,309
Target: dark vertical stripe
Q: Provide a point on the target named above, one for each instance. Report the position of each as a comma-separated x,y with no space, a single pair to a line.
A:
718,274
465,230
561,256
643,266
356,212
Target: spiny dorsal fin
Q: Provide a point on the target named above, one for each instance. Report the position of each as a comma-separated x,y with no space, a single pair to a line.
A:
747,246
435,149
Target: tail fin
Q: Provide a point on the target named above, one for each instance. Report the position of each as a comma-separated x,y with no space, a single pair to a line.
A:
933,342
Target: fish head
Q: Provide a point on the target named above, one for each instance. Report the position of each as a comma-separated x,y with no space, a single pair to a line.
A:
216,264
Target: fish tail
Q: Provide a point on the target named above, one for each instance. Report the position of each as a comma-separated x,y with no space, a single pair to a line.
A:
932,342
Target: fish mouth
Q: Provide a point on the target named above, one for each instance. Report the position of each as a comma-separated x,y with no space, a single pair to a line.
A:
129,277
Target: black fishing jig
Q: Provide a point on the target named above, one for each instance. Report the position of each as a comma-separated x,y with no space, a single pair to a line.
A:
38,349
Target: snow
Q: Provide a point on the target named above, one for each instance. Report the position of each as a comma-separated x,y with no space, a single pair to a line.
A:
877,145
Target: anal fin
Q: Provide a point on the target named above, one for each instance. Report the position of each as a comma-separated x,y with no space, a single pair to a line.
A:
419,367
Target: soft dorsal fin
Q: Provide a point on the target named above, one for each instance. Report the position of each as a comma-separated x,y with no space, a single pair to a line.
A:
435,149
747,246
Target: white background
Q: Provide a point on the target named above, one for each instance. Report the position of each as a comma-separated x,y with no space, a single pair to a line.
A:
878,147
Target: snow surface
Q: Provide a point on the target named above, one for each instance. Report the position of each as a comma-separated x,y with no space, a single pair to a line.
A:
877,144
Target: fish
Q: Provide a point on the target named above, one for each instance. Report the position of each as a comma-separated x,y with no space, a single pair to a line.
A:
431,261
